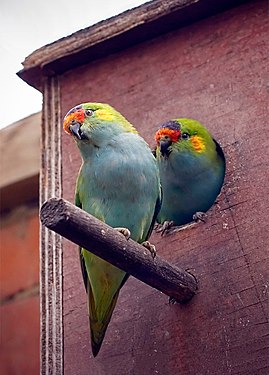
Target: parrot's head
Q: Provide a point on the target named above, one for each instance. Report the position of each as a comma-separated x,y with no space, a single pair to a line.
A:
92,122
182,135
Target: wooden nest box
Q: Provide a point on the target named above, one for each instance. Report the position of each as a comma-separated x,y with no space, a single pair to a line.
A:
196,58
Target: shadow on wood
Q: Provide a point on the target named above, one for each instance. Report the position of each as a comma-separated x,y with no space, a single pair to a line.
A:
90,233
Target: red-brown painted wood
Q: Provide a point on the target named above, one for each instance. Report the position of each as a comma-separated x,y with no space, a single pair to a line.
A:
214,71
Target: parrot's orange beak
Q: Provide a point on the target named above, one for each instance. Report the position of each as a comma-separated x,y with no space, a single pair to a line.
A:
73,121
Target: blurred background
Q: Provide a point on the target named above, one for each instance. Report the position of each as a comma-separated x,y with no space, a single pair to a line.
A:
25,26
19,234
30,24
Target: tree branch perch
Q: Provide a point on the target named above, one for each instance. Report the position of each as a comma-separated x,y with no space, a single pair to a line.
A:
90,233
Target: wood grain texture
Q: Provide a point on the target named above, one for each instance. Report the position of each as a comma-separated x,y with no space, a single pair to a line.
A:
214,71
116,33
51,313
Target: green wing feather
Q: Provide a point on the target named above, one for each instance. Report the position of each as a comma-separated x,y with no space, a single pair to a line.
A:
97,193
100,305
103,292
156,212
98,327
112,151
82,264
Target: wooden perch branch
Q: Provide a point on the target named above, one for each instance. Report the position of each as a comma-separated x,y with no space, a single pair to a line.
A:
102,240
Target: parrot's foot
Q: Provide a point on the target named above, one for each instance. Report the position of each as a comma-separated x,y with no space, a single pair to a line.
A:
178,228
150,247
164,228
124,231
168,227
172,301
199,216
156,226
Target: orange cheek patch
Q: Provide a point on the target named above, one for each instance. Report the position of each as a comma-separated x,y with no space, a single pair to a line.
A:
78,116
172,134
197,143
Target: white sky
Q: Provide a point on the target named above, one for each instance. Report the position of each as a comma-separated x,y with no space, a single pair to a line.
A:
27,25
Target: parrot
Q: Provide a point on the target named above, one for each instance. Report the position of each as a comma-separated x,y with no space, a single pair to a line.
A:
118,183
192,170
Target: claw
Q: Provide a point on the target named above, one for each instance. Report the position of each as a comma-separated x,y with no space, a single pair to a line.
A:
199,216
165,227
172,301
150,247
178,228
124,231
156,226
168,227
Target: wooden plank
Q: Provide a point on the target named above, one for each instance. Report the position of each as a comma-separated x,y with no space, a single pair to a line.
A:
214,71
51,313
131,27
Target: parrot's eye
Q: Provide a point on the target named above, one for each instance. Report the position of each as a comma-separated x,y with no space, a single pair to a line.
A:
88,112
185,136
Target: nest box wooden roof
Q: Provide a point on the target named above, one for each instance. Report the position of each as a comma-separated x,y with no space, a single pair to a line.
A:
122,31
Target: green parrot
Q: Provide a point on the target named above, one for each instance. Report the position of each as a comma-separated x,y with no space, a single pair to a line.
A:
192,170
118,183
